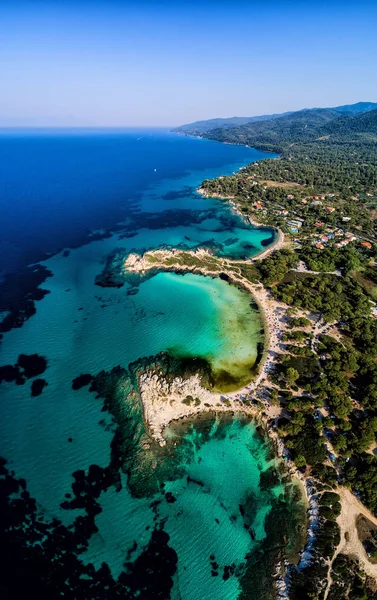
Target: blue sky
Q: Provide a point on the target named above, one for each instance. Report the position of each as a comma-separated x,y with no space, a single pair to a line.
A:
110,63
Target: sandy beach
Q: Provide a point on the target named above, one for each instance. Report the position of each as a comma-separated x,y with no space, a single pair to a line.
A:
163,402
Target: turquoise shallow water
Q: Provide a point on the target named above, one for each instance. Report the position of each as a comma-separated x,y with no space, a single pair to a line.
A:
89,329
204,523
82,328
210,527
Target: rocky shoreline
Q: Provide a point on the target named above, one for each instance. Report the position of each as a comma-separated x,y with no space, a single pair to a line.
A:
250,220
166,401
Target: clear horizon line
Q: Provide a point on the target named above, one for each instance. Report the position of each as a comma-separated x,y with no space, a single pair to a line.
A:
2,127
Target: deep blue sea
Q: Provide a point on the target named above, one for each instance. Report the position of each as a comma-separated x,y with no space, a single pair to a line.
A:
92,506
57,186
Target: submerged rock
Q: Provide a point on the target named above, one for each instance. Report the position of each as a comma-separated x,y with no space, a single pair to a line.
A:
31,365
27,366
38,386
81,381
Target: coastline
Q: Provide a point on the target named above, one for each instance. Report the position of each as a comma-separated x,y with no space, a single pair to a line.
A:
278,243
160,414
263,415
305,484
272,312
162,401
77,399
350,544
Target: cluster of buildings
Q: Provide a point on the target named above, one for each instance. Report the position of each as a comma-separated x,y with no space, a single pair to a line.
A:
295,224
343,238
335,236
328,209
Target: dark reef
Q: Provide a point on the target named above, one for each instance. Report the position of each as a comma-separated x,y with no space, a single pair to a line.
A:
268,241
19,292
11,373
42,555
31,365
38,386
185,192
27,366
81,381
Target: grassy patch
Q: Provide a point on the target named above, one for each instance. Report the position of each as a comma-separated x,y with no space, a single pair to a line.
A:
296,276
249,272
368,285
151,259
280,184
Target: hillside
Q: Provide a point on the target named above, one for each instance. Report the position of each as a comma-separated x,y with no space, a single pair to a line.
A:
322,134
271,134
354,109
205,126
199,127
363,123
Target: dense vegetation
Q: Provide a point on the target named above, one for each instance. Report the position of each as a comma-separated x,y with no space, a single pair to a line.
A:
335,297
342,378
272,134
323,156
331,425
200,127
303,127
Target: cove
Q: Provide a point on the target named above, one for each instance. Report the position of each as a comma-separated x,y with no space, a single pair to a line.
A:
206,318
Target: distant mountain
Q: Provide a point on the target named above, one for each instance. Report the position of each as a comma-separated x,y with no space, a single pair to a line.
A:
315,116
359,107
302,125
354,124
201,126
365,122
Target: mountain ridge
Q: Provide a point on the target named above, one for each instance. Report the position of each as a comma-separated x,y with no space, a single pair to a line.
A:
308,130
204,126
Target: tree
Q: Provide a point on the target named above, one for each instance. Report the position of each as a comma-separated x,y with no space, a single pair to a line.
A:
340,443
274,397
291,375
300,461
